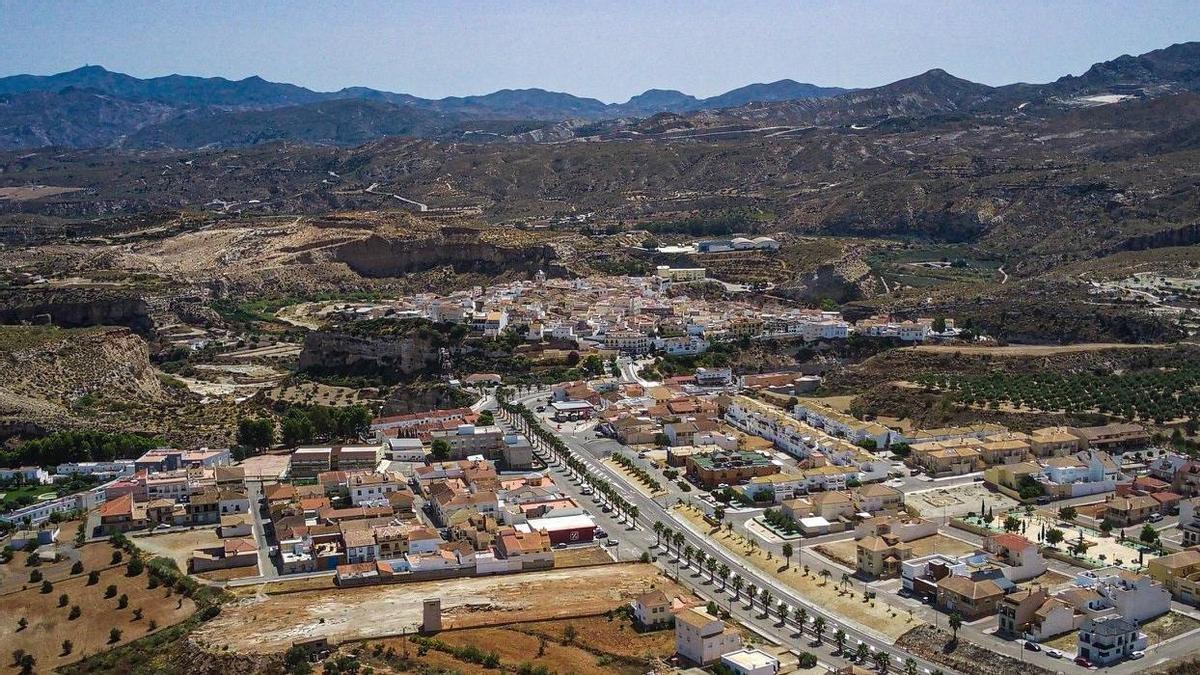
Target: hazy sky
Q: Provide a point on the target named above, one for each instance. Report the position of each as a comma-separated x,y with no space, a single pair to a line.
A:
609,51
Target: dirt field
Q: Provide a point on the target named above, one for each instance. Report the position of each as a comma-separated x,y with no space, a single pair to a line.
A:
631,480
957,501
600,646
50,624
32,192
274,622
178,546
878,616
581,557
15,574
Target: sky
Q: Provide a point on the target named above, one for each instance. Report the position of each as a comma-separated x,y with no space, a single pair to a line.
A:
604,50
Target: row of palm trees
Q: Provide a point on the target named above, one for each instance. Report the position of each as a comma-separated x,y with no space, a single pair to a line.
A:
524,420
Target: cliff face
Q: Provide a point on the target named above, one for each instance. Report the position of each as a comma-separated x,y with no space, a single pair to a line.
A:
75,308
377,256
393,356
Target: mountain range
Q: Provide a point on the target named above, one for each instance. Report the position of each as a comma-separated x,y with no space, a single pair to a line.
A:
94,107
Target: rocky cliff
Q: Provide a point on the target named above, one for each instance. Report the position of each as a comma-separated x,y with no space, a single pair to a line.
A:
75,307
377,256
393,357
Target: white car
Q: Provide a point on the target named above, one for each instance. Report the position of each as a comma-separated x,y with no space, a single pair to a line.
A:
1054,653
1136,655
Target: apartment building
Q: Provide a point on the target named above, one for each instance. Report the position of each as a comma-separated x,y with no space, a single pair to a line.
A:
1108,639
701,638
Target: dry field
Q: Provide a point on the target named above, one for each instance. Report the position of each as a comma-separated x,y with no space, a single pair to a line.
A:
632,481
15,574
50,624
272,623
877,616
957,501
314,393
581,557
600,646
32,192
265,467
178,546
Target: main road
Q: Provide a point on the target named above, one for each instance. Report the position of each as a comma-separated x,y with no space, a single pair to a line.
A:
650,511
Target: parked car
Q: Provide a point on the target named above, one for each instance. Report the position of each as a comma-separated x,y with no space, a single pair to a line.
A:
541,408
1054,653
611,542
1155,517
1032,646
601,534
1136,655
1081,661
560,545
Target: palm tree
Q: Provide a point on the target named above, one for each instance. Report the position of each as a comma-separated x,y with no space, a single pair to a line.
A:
839,639
688,551
910,666
782,610
738,582
845,579
862,652
819,627
658,531
751,593
678,536
787,554
801,618
825,575
711,566
765,596
723,572
882,661
955,624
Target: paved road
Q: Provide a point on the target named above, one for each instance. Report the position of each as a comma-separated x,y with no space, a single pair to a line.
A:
266,567
651,511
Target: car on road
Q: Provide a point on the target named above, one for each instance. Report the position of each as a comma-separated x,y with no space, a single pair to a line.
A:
1155,517
611,542
601,534
1053,653
1032,646
641,455
1136,655
1082,661
560,545
541,408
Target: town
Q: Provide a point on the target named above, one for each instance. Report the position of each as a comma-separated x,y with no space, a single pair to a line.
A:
763,508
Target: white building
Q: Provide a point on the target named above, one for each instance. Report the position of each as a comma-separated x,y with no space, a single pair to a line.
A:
117,467
701,638
747,661
30,475
1136,597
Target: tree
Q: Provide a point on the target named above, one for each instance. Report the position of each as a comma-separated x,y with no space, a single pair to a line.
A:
256,432
27,662
1149,535
882,661
93,578
939,324
1054,536
77,568
123,601
819,628
63,600
47,586
801,618
862,652
910,666
825,575
75,612
570,633
955,624
137,614
114,635
117,557
839,640
135,567
787,554
1067,513
22,624
297,428
440,449
1011,524
67,647
110,591
1106,527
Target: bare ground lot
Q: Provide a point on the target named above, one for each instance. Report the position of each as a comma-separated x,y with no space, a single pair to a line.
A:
957,501
50,624
273,623
600,646
845,551
178,546
265,467
581,557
